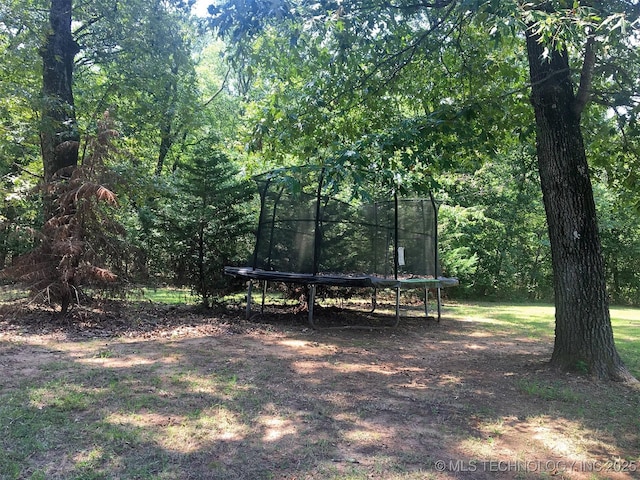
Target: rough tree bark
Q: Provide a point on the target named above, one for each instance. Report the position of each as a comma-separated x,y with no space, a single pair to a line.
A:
59,135
583,337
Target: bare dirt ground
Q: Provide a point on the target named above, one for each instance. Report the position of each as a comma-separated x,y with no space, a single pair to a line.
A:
207,394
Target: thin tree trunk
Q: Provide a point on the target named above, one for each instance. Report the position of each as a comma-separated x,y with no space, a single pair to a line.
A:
166,142
584,337
167,135
202,280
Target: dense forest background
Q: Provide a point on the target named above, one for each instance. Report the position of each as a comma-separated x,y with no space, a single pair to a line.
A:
174,120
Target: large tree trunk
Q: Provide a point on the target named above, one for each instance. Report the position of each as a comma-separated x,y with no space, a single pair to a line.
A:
59,136
584,337
59,133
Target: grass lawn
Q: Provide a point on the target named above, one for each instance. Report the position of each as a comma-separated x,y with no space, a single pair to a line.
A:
165,295
167,391
538,321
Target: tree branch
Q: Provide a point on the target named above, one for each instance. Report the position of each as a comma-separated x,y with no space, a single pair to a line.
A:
398,60
424,4
586,76
224,82
24,170
78,31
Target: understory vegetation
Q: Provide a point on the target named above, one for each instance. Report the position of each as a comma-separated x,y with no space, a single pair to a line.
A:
192,119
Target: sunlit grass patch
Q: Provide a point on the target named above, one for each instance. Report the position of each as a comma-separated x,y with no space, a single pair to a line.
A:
164,295
626,331
90,459
479,447
537,321
364,435
10,293
531,320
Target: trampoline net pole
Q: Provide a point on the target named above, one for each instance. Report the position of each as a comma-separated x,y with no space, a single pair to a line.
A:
435,237
317,235
263,192
395,240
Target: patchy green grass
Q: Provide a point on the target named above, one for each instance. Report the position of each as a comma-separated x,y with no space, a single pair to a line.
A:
165,295
534,320
162,295
548,391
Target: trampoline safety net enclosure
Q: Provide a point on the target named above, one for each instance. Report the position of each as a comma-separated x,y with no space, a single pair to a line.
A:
315,228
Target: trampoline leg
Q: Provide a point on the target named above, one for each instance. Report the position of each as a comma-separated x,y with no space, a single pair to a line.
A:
264,294
312,301
397,307
439,305
249,290
374,300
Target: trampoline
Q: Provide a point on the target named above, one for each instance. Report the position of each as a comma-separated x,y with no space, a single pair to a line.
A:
321,227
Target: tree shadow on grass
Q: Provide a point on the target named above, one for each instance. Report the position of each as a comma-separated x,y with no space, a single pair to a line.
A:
289,402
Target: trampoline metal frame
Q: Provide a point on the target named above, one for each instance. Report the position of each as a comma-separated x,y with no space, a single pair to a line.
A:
361,281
